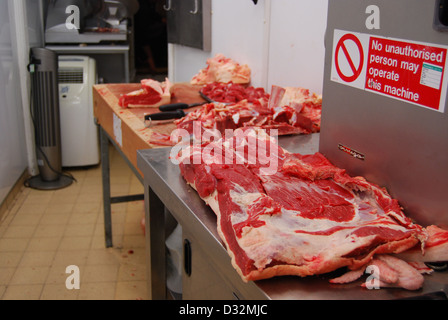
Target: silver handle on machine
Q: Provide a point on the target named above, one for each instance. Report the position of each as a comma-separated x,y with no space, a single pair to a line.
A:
196,7
168,6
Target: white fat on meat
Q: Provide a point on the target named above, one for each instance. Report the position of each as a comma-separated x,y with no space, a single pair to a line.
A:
244,200
389,271
435,249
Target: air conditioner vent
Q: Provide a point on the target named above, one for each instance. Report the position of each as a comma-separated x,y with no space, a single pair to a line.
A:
71,75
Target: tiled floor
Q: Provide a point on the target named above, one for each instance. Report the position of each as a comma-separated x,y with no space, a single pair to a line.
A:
44,232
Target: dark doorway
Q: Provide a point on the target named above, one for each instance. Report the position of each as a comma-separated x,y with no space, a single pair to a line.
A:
151,51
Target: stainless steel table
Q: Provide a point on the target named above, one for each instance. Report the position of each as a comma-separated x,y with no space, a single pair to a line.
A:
212,276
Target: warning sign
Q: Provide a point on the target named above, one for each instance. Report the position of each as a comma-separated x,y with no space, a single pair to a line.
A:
409,71
354,59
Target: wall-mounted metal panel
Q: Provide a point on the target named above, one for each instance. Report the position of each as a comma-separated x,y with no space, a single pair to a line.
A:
189,23
371,123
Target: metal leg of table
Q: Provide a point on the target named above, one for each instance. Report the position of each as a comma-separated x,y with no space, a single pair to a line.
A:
108,200
155,241
105,171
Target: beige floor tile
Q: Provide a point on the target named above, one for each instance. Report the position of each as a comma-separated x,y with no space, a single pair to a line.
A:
36,209
119,189
119,208
43,244
99,273
6,275
87,207
118,217
135,216
85,197
59,208
98,242
13,244
132,272
3,229
79,230
134,228
30,275
94,191
97,291
10,259
138,206
110,256
49,231
54,219
75,243
131,290
117,240
117,226
82,218
39,259
23,292
19,232
134,256
68,197
93,177
58,292
70,257
38,197
25,220
133,241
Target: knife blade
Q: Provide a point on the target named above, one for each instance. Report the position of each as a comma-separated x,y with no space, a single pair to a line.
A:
205,97
167,115
179,106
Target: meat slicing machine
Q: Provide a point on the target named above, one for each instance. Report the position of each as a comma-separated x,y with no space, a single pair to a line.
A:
384,117
88,22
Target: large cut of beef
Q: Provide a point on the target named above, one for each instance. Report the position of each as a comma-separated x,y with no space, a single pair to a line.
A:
280,213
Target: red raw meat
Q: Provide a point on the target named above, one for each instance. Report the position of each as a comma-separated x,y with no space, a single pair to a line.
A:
297,106
153,94
305,217
233,93
257,111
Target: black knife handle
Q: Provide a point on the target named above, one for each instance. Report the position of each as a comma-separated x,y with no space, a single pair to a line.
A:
173,107
166,115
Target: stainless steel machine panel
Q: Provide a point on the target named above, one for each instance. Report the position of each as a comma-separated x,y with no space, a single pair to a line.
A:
376,121
189,23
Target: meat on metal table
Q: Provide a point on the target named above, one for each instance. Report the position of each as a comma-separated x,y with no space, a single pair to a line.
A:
210,274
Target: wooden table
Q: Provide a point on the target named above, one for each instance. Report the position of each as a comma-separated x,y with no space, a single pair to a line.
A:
125,129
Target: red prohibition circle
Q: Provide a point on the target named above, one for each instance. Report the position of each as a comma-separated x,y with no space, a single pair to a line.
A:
341,46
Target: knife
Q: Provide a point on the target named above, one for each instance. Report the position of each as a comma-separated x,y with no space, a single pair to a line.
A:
179,106
205,97
167,115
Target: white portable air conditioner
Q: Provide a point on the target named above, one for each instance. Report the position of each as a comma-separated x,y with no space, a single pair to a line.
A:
79,133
